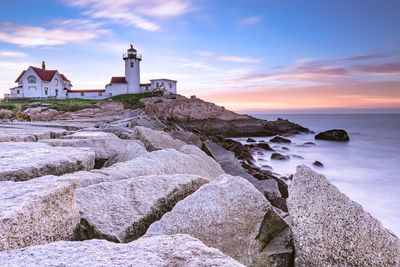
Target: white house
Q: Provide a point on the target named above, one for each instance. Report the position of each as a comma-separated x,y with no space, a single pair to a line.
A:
42,83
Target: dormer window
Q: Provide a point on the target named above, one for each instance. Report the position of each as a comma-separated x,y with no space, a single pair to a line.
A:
31,79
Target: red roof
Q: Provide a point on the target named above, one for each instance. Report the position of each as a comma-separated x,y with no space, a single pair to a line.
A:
86,91
20,76
118,80
44,75
64,78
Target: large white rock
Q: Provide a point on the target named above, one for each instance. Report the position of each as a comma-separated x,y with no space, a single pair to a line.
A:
228,213
21,161
107,151
122,211
156,140
36,212
90,135
188,160
14,132
331,230
176,250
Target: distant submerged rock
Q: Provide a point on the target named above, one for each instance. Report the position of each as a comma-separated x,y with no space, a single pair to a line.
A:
333,135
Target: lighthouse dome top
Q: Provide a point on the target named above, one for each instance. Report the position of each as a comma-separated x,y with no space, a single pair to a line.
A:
131,49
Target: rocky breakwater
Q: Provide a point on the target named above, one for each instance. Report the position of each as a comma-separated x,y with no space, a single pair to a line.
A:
210,119
157,199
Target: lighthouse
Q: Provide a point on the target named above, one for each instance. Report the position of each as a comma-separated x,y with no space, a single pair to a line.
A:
132,70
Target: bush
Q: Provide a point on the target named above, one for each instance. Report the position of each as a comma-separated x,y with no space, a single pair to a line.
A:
6,114
9,106
22,116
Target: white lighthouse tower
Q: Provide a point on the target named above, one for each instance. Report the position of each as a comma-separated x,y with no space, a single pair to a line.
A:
132,70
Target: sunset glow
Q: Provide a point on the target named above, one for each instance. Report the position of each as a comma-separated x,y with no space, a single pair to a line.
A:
245,55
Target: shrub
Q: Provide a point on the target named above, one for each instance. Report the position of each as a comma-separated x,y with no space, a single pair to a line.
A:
22,116
6,114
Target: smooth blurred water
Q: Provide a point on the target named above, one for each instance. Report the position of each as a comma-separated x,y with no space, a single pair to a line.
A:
366,169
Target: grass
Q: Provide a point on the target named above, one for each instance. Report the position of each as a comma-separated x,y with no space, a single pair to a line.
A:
128,100
132,100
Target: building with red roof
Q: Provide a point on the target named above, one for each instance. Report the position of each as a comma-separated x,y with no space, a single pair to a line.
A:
37,82
41,83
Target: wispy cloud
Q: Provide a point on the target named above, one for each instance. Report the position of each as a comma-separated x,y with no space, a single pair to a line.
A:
228,58
251,20
68,31
139,13
13,54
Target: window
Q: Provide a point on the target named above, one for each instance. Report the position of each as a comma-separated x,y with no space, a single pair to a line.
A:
31,79
132,64
17,92
46,91
157,85
170,85
56,92
32,88
82,94
100,93
56,80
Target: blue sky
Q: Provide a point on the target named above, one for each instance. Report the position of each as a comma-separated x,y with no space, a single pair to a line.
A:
245,55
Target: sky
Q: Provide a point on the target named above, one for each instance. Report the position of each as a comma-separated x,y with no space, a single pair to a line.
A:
247,55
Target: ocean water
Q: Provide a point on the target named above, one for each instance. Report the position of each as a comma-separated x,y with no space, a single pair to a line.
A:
366,169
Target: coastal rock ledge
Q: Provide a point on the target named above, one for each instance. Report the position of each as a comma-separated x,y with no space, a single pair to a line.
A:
331,230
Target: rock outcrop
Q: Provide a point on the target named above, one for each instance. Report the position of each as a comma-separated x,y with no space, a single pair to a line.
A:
36,212
156,140
333,135
331,230
107,151
227,213
122,211
174,250
206,117
20,161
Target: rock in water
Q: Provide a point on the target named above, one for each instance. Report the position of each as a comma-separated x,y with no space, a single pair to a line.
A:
264,146
318,163
228,214
122,211
251,140
174,250
279,156
156,140
20,161
36,212
331,230
333,135
279,139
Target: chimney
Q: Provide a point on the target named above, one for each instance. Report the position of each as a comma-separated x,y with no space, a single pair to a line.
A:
43,66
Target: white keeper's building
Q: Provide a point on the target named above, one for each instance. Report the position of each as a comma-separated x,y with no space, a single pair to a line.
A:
41,83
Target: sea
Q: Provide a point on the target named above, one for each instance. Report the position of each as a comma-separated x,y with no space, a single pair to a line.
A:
366,169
